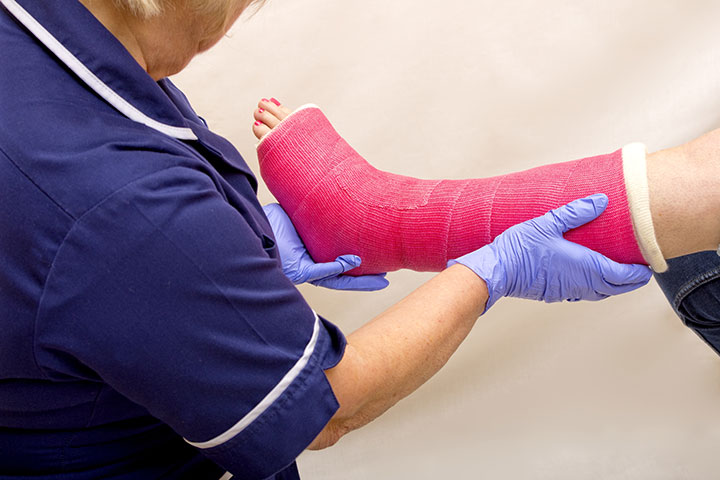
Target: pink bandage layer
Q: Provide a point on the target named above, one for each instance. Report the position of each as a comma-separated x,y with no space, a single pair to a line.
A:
340,204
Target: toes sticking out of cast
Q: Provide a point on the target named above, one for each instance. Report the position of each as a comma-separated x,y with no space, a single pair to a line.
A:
268,114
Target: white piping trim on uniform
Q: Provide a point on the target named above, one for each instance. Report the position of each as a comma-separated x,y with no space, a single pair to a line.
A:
269,399
90,78
226,476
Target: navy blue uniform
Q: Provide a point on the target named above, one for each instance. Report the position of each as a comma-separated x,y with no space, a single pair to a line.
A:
147,328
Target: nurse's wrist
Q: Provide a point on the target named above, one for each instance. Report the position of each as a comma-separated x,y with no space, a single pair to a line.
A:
474,281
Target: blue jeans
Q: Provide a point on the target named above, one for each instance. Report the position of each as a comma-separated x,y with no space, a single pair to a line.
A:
692,285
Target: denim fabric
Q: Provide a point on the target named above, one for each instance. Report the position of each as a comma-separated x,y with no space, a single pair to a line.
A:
692,285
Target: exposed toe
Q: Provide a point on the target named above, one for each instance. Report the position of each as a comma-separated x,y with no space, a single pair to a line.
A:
263,116
268,115
275,108
260,129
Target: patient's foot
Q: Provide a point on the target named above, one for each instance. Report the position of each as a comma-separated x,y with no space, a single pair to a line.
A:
268,114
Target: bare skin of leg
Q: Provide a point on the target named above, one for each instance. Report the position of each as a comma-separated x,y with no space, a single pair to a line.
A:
684,195
682,181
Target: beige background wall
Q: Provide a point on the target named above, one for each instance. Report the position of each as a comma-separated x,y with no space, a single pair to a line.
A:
612,390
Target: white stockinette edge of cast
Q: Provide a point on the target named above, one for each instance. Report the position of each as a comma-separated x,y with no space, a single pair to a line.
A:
122,105
269,399
302,107
636,185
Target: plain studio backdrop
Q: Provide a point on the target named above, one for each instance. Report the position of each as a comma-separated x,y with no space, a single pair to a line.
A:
456,89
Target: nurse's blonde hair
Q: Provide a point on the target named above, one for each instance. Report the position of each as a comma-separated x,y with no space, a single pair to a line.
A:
150,8
141,8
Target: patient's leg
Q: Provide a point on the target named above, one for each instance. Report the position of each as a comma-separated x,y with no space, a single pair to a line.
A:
340,204
684,195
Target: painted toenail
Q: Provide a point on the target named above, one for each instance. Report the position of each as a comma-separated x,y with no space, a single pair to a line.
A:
260,110
257,124
265,100
275,101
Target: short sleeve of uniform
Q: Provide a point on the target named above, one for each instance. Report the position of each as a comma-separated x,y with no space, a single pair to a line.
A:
166,293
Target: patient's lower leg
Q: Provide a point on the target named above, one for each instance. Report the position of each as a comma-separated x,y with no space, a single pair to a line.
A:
340,204
684,195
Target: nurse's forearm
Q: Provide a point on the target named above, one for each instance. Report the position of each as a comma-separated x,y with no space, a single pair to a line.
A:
391,356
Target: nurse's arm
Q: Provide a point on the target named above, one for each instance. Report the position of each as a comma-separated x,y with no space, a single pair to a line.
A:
391,356
398,351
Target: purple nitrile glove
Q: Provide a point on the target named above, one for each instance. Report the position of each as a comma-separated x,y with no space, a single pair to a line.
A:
299,267
533,260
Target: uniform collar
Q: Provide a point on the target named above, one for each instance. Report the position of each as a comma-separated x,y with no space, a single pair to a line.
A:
86,47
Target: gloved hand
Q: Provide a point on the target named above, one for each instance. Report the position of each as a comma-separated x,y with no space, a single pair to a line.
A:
300,268
533,260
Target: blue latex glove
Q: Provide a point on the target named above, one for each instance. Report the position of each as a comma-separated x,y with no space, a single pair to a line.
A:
299,267
533,260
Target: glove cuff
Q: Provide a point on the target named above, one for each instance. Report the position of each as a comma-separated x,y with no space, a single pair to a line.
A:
486,264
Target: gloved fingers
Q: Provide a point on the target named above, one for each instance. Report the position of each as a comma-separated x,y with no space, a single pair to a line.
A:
274,210
270,207
349,262
342,264
578,212
280,223
319,271
588,297
365,283
625,277
620,278
592,298
571,290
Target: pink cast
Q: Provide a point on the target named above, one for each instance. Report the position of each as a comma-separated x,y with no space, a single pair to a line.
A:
340,204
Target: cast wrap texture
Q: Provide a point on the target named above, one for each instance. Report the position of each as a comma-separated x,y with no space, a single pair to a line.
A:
341,204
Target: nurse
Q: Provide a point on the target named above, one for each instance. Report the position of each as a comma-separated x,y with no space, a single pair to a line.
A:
150,327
